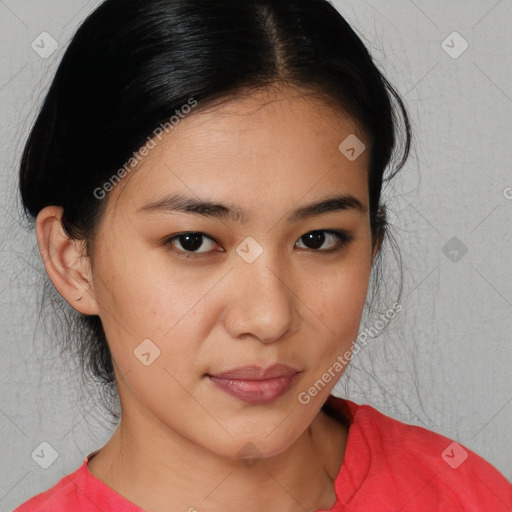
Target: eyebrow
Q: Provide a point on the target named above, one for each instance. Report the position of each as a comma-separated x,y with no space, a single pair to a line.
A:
181,203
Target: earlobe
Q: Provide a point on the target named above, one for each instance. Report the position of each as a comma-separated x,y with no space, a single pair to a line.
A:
65,262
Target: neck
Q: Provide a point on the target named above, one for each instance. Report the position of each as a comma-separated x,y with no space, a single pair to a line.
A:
164,471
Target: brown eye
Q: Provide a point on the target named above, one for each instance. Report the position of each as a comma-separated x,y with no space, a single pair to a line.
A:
314,240
191,242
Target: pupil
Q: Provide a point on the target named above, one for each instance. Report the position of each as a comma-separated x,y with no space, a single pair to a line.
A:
196,242
316,238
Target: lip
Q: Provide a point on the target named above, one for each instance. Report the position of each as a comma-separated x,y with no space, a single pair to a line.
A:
255,372
254,384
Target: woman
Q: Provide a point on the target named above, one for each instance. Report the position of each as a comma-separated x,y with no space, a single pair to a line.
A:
206,182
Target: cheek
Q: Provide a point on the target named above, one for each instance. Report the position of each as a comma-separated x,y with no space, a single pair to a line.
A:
168,324
146,295
338,304
340,297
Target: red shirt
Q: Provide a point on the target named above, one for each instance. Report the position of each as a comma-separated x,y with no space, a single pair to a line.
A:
389,466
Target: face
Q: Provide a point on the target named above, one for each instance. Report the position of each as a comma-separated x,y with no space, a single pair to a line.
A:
256,288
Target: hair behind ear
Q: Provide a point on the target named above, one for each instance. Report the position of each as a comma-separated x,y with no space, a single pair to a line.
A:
380,226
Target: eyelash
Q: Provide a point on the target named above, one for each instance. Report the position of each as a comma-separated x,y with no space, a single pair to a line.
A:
344,238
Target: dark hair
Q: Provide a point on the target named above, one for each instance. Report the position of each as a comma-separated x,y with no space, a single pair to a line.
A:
133,63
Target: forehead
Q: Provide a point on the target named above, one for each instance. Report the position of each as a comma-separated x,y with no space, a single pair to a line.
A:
272,145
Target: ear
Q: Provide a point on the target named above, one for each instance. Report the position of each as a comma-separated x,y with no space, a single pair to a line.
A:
65,261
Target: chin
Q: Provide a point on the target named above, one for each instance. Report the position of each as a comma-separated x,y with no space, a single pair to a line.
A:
249,447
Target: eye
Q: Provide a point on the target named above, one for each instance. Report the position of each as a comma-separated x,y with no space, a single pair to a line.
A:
190,242
315,239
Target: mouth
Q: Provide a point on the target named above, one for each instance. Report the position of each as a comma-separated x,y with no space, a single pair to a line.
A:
256,385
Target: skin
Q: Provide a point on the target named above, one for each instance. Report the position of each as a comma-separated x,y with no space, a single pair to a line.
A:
177,445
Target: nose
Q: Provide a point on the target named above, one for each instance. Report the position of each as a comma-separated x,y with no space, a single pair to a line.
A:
261,303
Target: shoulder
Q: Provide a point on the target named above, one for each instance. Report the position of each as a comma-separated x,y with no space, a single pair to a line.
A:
414,467
61,497
79,491
447,469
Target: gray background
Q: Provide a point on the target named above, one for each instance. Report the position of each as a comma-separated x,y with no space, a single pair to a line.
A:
443,363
